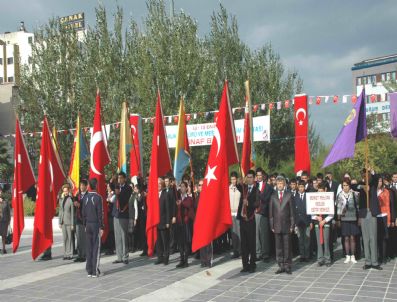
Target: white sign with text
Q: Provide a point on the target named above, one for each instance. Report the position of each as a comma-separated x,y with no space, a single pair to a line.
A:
320,203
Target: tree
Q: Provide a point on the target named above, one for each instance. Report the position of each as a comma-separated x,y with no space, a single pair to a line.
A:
6,166
167,54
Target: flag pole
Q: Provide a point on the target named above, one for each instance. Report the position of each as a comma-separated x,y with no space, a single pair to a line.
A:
367,170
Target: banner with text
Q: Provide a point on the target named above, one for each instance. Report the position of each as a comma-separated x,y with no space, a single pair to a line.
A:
202,134
320,203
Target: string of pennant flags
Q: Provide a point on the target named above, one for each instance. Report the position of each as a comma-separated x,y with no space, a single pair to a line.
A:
173,119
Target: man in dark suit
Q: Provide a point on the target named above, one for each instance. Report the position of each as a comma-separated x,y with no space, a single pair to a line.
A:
303,224
332,184
262,216
249,201
281,216
121,216
163,228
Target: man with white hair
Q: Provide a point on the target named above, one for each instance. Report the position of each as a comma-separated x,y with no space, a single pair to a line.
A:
281,217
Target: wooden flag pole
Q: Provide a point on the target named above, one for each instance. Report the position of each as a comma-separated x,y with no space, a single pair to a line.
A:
367,170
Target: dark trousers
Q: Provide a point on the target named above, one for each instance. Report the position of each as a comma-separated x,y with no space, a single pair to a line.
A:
182,242
93,245
142,234
163,244
248,242
283,250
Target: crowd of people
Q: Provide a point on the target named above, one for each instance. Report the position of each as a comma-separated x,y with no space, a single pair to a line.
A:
269,218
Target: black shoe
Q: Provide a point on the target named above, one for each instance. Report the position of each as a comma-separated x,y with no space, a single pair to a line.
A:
252,270
279,271
180,264
45,258
125,261
288,271
143,254
166,260
65,258
186,264
159,261
245,270
4,252
365,267
302,260
320,264
377,267
117,261
77,260
328,264
82,260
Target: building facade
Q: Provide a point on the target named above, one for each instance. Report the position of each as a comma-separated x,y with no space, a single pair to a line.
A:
375,74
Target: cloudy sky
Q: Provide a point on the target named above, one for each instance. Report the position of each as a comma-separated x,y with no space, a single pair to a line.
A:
320,39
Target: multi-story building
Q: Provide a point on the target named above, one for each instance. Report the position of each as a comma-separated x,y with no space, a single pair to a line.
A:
15,51
375,74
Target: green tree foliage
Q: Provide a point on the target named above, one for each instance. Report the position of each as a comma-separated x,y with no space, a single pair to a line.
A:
129,63
6,166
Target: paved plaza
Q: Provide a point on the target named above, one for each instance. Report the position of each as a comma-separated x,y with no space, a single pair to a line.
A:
25,280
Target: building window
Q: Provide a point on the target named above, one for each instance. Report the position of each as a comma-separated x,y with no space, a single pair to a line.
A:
1,80
358,81
30,40
373,79
393,75
1,61
388,76
10,61
383,77
10,79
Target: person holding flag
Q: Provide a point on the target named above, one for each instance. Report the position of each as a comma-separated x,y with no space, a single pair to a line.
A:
158,221
79,187
50,180
99,159
213,217
23,180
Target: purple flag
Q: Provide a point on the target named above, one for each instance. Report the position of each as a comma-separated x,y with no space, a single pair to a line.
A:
393,113
353,131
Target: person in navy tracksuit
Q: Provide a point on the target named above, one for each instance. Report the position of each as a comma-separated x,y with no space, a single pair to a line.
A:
93,222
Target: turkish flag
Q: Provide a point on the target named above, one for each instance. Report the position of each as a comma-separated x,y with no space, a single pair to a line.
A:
246,156
160,164
99,159
302,152
50,179
136,149
213,215
23,180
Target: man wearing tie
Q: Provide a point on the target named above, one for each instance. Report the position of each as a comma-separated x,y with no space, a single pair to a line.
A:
281,216
249,201
303,224
262,216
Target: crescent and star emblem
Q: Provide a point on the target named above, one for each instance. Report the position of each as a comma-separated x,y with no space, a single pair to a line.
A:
96,138
303,111
51,175
211,171
134,130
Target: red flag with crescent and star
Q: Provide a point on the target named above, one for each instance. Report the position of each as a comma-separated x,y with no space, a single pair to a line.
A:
160,164
213,215
302,152
23,180
99,159
50,179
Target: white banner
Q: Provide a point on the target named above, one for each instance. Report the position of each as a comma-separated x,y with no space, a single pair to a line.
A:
320,203
202,134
